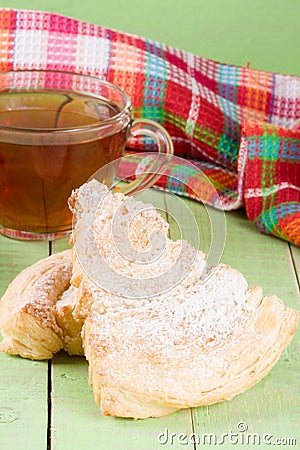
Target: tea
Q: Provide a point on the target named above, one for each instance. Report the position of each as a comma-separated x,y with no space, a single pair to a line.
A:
39,169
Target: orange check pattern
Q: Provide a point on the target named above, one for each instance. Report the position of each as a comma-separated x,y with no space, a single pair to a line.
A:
216,113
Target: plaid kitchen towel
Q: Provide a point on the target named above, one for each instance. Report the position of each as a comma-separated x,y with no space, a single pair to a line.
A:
272,179
235,122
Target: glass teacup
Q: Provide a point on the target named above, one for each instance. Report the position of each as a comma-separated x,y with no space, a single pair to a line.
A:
56,130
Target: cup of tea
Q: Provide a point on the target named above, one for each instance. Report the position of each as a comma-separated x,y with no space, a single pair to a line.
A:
56,130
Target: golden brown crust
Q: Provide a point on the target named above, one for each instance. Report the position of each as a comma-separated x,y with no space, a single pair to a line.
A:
204,340
28,320
71,327
141,365
196,344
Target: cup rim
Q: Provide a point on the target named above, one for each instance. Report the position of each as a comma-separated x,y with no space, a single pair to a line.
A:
84,128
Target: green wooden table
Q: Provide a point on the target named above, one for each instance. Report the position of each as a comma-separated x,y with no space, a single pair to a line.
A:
49,405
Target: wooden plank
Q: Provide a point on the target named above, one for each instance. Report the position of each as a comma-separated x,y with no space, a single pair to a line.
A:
60,245
264,260
269,407
295,254
272,405
23,383
16,255
77,422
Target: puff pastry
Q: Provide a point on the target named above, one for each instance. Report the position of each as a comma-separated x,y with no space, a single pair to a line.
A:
195,348
109,226
205,340
32,321
70,327
130,240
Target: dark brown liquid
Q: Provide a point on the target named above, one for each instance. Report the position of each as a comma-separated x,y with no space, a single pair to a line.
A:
36,180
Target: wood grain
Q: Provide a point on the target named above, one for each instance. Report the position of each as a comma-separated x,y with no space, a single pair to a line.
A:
77,422
23,383
272,406
295,255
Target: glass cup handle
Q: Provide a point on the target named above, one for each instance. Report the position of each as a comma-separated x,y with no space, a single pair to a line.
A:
155,131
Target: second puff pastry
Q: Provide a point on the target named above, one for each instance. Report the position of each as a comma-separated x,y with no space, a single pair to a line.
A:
205,340
33,314
209,345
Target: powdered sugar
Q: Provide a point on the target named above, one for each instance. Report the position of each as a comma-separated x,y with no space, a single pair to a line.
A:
122,245
173,325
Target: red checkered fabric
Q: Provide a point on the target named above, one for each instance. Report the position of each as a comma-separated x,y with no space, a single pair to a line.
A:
235,122
272,179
